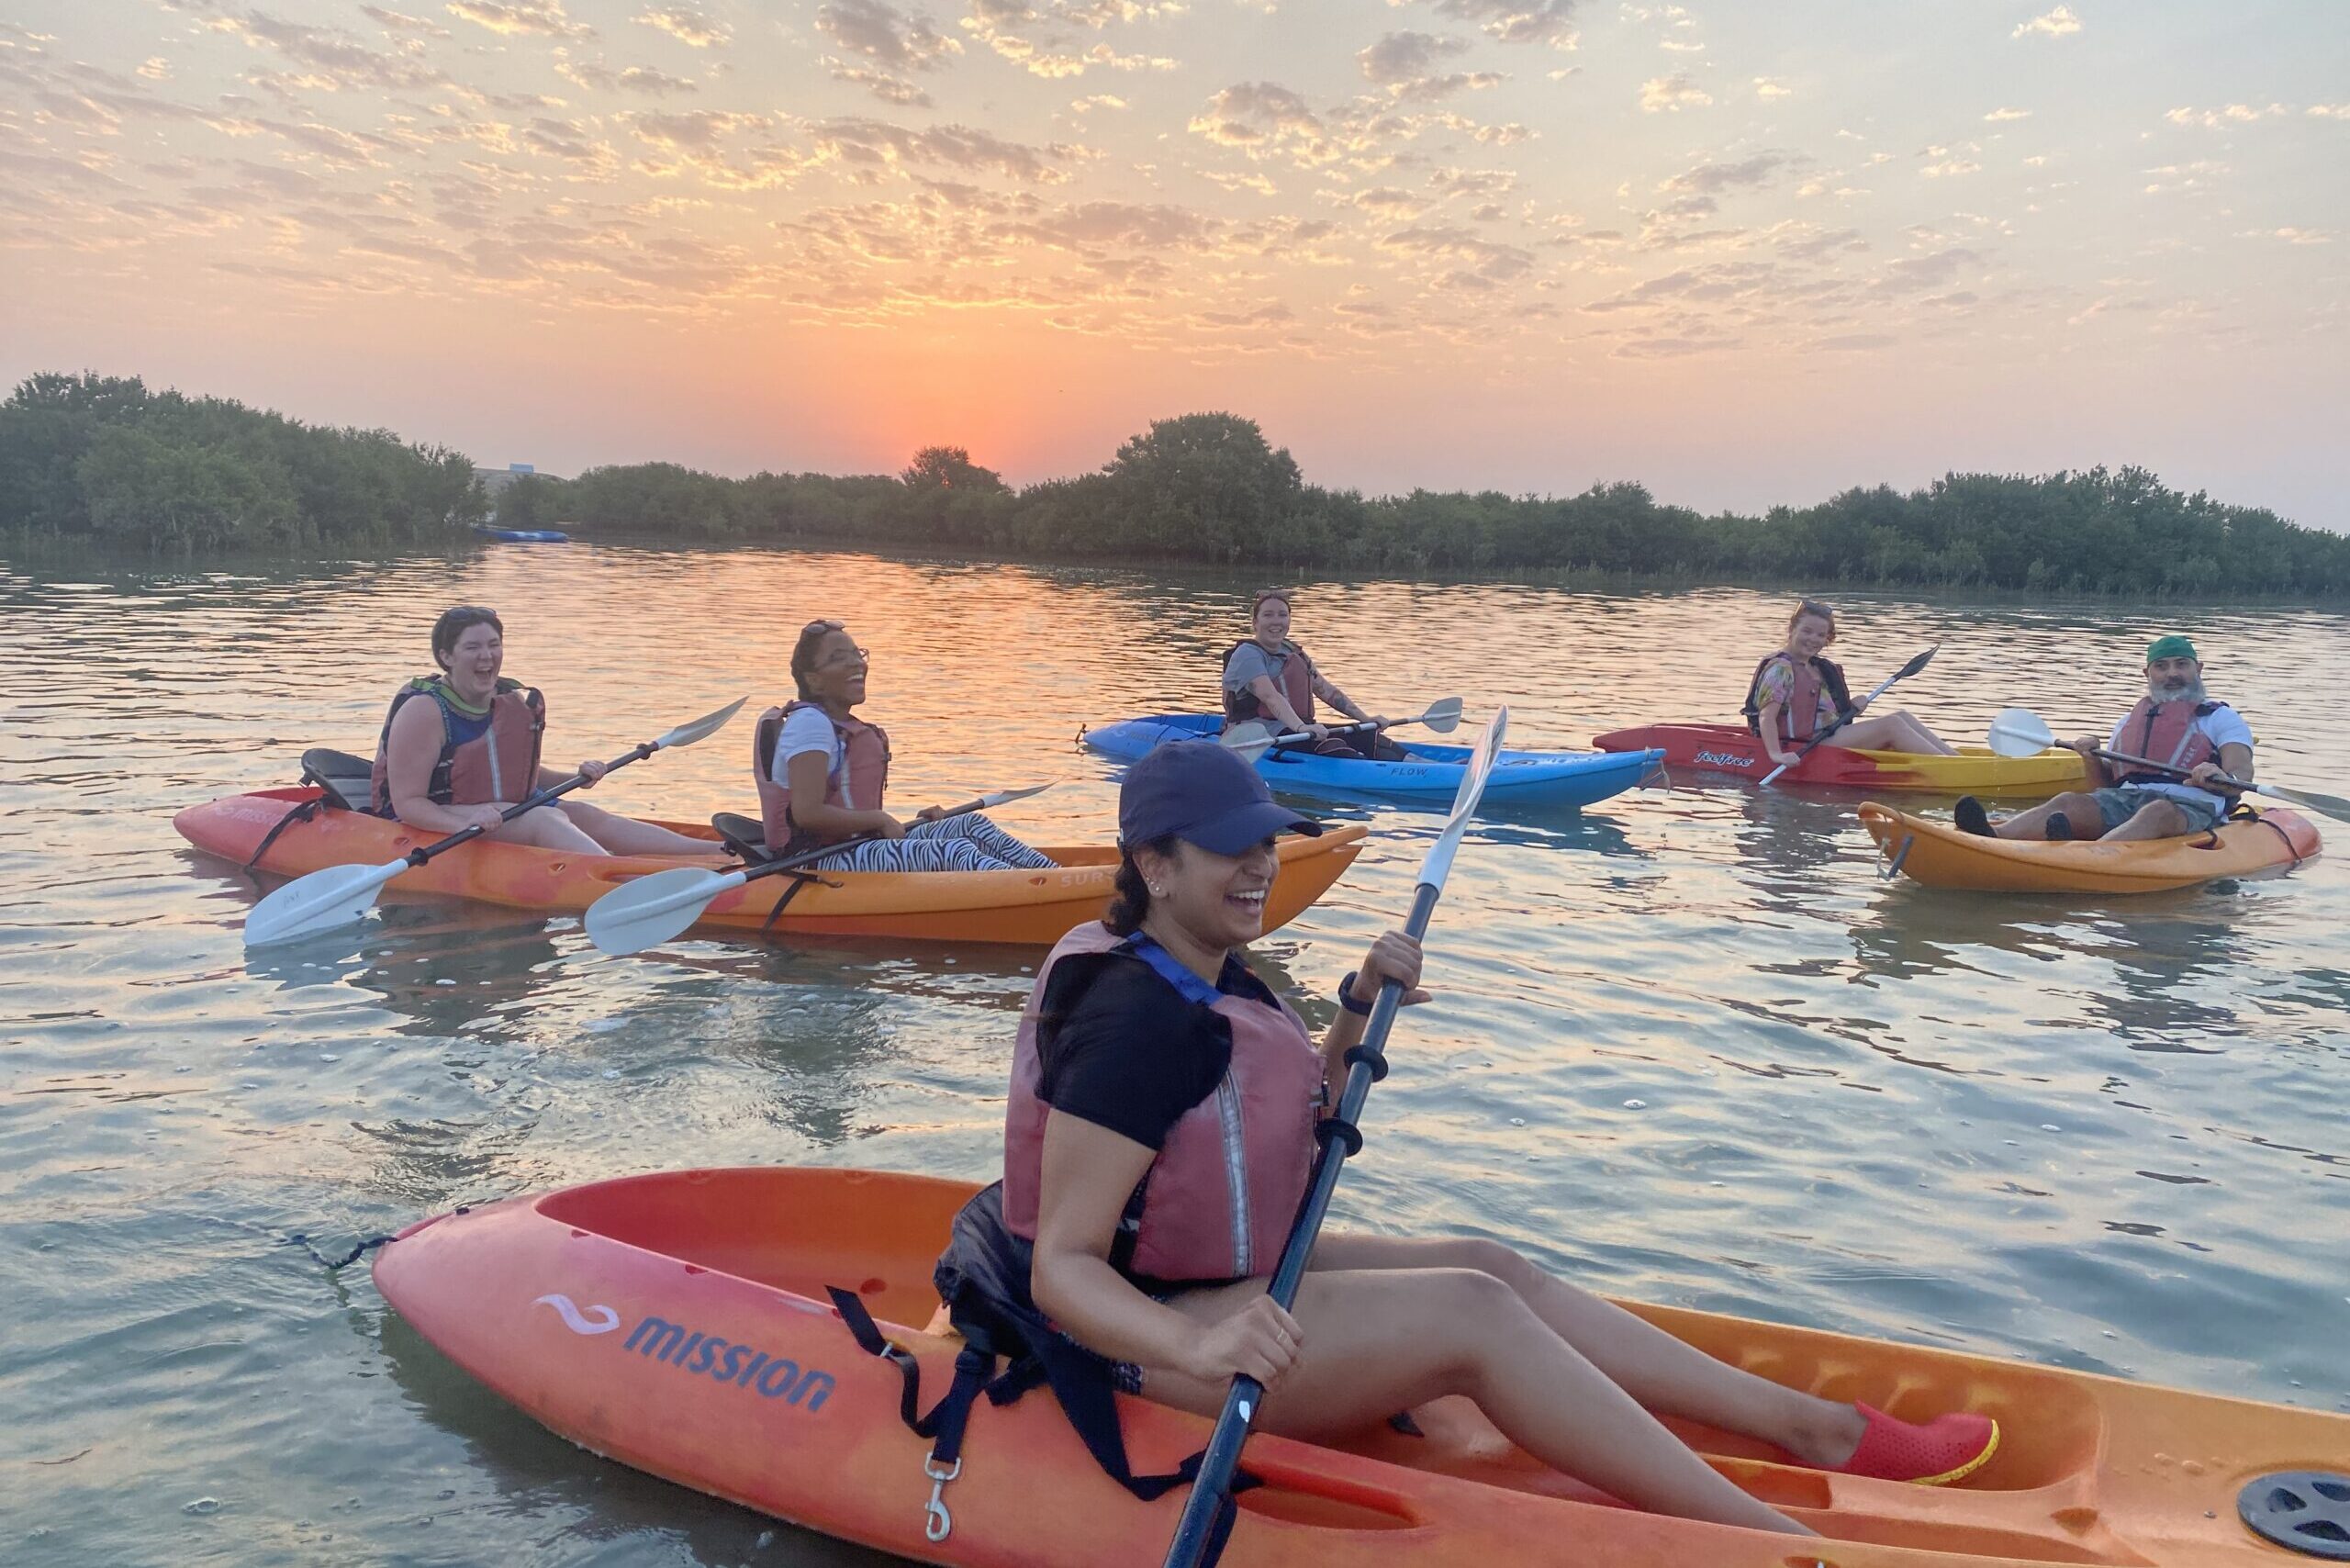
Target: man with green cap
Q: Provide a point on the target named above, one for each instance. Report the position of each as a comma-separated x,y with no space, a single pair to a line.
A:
2175,725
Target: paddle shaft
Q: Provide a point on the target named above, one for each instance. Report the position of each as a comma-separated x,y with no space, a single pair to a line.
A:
529,803
1296,735
2222,780
1240,1404
1841,720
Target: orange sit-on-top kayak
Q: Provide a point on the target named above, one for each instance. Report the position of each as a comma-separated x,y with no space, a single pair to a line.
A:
1941,855
679,1324
1032,908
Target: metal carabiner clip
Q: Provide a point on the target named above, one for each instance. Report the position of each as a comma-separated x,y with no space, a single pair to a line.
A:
938,1523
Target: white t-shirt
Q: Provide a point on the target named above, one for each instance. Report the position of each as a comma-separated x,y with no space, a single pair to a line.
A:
2222,726
811,728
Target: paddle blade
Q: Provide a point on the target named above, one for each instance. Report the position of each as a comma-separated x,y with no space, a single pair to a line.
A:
2020,732
2332,806
1443,717
700,729
1482,758
1250,740
651,909
338,896
1005,797
1920,662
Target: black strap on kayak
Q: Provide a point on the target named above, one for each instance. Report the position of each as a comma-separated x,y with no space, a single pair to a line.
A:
300,814
974,1366
1088,1402
797,880
335,1265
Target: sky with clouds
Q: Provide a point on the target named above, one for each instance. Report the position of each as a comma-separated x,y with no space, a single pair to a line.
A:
1742,253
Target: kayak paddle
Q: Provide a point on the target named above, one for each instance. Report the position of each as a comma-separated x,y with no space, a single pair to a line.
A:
1253,739
2328,805
1191,1545
340,895
1912,668
2020,732
649,911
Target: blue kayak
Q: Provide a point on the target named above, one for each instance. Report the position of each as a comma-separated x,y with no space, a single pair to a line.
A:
1432,774
523,535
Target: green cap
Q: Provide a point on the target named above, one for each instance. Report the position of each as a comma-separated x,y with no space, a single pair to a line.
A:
2172,647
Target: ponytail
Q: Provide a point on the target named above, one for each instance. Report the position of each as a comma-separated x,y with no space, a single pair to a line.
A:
1130,897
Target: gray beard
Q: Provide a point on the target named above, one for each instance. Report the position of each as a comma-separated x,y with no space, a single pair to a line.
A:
2191,693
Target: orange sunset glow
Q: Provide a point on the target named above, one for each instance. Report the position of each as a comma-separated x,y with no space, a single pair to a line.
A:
1742,254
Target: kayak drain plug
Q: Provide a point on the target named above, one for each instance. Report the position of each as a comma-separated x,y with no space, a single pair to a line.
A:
2306,1511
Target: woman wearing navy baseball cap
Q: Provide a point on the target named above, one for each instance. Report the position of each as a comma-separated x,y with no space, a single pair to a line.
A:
1159,1139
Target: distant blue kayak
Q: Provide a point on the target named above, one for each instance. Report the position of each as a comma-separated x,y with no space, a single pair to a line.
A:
524,535
1432,774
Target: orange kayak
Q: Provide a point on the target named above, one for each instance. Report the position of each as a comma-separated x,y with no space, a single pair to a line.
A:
1032,908
677,1323
1940,855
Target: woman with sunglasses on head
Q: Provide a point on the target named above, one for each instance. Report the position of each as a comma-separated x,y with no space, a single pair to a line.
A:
460,748
822,772
1269,680
1158,1138
1796,694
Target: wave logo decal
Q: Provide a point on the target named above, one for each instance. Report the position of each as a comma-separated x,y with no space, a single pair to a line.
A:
578,1322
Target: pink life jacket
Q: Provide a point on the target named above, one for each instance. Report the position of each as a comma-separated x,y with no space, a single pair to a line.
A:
1218,1201
500,761
2164,731
1800,718
865,748
1297,684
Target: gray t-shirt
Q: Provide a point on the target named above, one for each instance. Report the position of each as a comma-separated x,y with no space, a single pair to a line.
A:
1250,660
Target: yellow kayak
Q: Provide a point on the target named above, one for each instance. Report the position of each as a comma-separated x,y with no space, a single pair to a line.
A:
1975,770
1940,855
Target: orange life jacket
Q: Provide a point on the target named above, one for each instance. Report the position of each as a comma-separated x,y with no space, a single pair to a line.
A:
498,760
1297,684
1217,1201
2164,731
865,748
1799,719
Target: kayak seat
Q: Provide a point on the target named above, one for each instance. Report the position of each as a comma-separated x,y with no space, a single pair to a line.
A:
746,836
349,781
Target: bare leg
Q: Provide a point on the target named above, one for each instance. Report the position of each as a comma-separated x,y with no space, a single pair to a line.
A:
2079,807
1379,1341
1892,732
2157,819
625,836
547,828
1661,1372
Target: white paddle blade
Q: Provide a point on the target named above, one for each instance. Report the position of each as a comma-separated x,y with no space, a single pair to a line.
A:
651,909
1250,740
338,896
700,729
1443,717
2020,732
1488,749
1005,797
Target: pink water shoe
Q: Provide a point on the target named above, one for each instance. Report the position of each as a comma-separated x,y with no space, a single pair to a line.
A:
1947,1449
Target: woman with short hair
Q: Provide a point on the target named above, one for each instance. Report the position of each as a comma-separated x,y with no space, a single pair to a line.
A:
460,748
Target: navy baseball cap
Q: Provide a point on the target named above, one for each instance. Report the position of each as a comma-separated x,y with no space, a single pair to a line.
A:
1203,793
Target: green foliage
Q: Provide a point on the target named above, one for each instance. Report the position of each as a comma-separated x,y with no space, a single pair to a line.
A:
102,458
96,457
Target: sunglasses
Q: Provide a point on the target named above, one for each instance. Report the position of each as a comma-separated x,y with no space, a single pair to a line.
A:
814,626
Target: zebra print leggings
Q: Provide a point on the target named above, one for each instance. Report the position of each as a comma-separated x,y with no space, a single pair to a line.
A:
953,844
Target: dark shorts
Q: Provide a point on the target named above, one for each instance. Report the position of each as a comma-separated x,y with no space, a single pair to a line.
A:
2117,804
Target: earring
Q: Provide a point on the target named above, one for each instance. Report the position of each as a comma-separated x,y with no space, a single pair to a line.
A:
1158,891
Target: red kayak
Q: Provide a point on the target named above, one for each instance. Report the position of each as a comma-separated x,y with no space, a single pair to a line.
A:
1735,750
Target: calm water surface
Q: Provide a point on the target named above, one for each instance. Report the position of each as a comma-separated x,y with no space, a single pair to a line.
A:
1687,1048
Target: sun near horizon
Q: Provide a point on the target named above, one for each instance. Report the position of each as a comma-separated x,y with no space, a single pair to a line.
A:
1743,258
